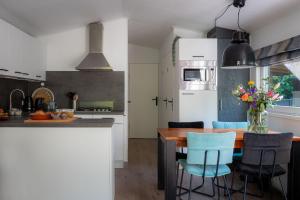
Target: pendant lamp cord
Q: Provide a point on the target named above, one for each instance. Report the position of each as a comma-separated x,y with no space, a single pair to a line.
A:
222,14
238,21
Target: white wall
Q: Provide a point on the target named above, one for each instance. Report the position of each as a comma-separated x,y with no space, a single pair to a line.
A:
65,50
142,55
284,28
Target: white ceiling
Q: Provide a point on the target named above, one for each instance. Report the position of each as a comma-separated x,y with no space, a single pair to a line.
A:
149,20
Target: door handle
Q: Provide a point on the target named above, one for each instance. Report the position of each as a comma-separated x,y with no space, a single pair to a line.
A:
156,100
166,101
172,102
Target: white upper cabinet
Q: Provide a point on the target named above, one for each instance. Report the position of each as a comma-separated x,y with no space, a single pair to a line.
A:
197,49
21,55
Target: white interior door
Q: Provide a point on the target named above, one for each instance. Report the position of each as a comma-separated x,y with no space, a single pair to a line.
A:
143,111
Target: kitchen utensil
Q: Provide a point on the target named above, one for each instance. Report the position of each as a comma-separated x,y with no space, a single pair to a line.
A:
40,117
39,103
51,106
28,104
44,93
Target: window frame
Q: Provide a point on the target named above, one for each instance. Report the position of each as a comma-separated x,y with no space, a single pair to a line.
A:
276,110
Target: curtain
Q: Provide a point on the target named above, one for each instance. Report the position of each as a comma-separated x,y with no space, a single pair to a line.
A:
280,52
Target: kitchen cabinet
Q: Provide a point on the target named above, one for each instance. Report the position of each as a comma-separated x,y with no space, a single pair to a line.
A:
120,140
21,55
5,68
195,49
186,105
228,80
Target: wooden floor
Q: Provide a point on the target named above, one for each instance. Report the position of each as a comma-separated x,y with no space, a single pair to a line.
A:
137,181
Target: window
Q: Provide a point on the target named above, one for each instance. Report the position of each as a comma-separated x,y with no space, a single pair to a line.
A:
288,74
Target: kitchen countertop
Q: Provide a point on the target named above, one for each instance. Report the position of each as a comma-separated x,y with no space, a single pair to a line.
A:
88,123
98,113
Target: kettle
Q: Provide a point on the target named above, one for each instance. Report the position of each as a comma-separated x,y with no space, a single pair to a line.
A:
28,104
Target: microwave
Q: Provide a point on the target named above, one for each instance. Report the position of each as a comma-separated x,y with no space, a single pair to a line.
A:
198,77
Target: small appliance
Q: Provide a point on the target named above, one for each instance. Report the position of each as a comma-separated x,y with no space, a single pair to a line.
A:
198,75
96,106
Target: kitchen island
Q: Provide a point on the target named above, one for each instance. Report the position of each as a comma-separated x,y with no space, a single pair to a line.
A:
56,160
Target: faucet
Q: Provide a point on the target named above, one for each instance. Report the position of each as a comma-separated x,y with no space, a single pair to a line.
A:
10,97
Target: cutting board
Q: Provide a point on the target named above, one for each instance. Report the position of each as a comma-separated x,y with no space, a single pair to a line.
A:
69,120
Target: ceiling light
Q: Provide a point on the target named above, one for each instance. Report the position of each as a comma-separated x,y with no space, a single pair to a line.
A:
238,54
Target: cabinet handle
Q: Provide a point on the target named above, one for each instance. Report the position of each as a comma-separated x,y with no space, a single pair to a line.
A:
198,56
188,93
26,74
38,76
4,70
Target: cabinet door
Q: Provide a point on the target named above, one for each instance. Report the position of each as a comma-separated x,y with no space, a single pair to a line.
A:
195,49
227,81
118,146
5,68
19,50
38,68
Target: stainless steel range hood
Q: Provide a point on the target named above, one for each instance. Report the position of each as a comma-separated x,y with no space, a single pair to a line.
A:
95,60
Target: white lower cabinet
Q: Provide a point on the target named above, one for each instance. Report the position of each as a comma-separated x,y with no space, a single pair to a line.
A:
118,134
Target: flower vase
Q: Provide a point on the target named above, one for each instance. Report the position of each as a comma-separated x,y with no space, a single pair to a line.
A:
257,121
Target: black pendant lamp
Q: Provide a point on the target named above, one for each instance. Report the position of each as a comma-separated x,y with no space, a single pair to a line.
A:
239,54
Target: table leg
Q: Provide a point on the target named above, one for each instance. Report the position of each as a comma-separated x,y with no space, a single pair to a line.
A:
294,173
160,163
166,167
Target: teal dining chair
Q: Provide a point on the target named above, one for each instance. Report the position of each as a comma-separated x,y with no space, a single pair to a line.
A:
208,156
238,153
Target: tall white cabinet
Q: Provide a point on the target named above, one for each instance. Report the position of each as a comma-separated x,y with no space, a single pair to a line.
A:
21,55
186,105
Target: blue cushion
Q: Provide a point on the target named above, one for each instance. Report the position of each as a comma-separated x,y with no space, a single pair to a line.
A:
199,143
238,154
210,170
233,125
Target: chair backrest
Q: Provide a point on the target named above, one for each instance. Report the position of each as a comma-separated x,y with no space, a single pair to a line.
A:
267,149
233,125
198,124
203,148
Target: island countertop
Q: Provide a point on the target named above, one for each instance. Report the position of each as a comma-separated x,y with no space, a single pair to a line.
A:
19,122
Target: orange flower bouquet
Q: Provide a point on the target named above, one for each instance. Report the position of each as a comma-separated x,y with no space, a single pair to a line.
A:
258,100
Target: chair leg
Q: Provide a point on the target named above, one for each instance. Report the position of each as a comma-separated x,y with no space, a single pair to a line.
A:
245,187
284,193
181,183
218,186
232,179
213,187
261,185
270,187
190,189
226,187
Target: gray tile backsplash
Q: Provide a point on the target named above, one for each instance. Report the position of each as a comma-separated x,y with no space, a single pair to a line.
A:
91,86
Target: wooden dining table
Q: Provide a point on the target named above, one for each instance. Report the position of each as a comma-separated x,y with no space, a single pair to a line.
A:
171,138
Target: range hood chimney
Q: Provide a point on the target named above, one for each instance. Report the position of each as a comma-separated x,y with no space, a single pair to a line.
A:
95,60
